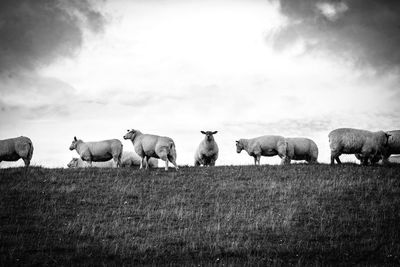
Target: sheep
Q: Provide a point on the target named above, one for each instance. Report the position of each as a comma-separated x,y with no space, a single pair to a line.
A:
301,149
131,159
17,148
207,152
148,145
128,159
355,141
98,151
375,159
268,145
79,163
393,147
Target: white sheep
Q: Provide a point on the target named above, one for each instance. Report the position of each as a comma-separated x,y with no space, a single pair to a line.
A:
355,141
148,145
207,152
131,159
98,151
128,159
17,148
392,148
79,163
268,145
300,148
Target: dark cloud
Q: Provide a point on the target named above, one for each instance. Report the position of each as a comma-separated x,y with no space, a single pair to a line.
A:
364,31
37,32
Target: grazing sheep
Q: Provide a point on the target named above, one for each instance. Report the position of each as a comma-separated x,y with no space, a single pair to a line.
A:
375,159
148,145
98,151
268,145
17,148
128,159
354,141
207,152
301,149
393,147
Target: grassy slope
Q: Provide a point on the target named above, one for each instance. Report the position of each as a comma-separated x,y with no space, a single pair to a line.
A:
294,214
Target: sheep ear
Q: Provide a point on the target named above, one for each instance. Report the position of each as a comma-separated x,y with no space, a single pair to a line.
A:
214,132
75,138
237,142
203,132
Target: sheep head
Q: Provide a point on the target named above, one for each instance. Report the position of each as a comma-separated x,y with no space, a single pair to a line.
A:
130,134
74,143
209,135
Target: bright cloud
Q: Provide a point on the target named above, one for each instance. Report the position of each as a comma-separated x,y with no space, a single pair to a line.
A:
332,11
180,67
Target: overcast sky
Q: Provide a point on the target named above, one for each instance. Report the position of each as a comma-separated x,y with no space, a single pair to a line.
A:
244,68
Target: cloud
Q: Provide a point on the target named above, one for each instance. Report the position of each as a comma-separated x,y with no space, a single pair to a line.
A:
366,32
332,11
37,33
29,96
286,127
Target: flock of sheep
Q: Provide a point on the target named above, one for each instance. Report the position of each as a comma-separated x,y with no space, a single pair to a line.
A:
367,146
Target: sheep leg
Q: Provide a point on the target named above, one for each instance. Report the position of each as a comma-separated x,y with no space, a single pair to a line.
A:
335,156
196,163
166,164
26,162
145,162
144,165
141,163
257,159
115,162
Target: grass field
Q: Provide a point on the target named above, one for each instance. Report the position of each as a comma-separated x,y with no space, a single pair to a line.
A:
245,215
